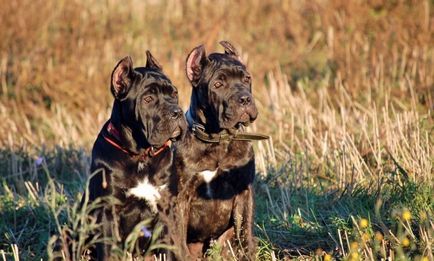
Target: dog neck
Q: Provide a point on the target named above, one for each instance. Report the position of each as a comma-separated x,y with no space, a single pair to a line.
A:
127,138
125,134
113,138
201,114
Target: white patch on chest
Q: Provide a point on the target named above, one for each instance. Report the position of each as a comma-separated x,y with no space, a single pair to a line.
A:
207,176
145,190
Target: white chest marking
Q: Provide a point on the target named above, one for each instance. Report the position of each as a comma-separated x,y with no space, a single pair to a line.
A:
208,175
145,190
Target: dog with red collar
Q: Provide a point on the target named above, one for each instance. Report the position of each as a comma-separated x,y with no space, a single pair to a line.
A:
132,155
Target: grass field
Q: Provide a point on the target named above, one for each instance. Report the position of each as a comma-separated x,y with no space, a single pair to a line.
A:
345,89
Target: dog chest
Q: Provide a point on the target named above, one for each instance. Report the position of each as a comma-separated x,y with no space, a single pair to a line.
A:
209,218
147,191
208,175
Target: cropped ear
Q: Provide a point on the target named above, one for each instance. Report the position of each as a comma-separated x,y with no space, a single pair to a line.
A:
230,50
122,78
196,60
151,62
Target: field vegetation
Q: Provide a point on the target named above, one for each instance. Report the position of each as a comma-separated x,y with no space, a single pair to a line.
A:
344,88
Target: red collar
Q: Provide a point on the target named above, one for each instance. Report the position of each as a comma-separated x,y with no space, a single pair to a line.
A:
151,152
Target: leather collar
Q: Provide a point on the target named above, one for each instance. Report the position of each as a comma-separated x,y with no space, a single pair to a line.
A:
224,135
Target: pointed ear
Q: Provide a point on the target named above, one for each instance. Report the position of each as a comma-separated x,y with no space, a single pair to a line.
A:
196,60
122,78
230,50
151,62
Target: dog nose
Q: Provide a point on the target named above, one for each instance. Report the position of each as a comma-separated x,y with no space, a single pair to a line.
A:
176,113
245,100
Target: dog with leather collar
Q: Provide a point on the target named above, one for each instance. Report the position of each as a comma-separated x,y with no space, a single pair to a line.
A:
215,161
236,133
132,156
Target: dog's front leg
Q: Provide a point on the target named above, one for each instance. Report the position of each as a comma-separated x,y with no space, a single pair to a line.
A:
103,249
110,235
243,243
186,251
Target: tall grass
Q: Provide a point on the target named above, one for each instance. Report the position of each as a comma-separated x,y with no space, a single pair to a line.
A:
345,89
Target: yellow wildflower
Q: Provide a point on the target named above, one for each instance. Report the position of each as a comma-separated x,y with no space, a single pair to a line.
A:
354,245
327,257
354,256
406,215
365,237
378,236
405,242
363,223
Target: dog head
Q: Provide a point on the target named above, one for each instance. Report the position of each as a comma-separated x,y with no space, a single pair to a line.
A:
146,102
222,88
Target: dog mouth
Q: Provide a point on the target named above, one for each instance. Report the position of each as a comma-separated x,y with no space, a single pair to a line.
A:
167,138
245,118
176,134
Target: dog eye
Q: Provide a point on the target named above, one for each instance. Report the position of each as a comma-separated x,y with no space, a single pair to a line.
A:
218,84
247,79
174,94
222,77
148,99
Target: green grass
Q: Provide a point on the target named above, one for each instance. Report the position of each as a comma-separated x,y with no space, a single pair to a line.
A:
295,216
35,198
305,220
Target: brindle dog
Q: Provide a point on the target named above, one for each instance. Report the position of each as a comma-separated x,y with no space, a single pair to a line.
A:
132,154
215,168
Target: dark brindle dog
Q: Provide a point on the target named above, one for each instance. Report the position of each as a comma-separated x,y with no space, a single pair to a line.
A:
215,163
133,150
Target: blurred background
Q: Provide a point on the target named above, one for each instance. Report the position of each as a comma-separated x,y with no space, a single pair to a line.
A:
345,89
56,57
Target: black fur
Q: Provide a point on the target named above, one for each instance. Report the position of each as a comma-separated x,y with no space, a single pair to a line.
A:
223,209
145,114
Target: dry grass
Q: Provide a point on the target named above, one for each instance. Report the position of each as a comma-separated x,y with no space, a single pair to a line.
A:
345,88
58,61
